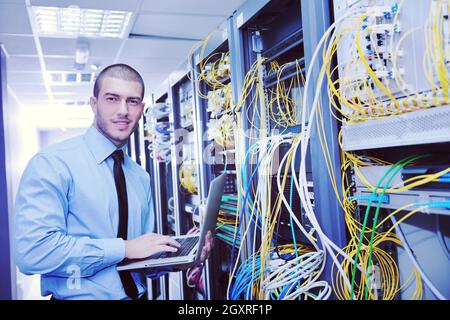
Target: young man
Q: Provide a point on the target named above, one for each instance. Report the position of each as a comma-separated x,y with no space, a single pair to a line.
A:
83,205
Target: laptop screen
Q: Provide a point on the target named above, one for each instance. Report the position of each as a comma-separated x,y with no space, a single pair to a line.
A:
212,209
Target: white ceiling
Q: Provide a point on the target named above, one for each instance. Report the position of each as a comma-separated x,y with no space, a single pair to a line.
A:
165,30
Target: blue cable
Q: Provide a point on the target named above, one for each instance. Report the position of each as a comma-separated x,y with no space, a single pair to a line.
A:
290,217
247,191
372,197
435,204
292,221
243,276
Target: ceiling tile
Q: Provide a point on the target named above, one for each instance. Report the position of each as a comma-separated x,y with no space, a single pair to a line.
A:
23,45
14,18
70,96
205,7
68,64
33,101
60,64
150,48
12,1
23,89
76,89
153,80
151,65
33,97
24,77
181,26
67,47
14,63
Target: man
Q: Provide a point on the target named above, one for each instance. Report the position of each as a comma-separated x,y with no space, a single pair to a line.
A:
83,205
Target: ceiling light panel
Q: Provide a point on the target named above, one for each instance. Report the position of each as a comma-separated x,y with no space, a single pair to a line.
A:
61,78
74,22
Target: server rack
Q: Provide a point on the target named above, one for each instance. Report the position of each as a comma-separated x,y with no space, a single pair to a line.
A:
328,210
134,144
160,177
269,32
215,116
406,119
184,161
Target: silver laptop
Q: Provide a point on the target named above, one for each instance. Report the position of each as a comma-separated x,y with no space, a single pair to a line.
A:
191,245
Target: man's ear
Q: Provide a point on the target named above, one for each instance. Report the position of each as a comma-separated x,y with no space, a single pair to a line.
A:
93,103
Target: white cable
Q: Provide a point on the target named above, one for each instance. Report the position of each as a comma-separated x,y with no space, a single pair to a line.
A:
304,194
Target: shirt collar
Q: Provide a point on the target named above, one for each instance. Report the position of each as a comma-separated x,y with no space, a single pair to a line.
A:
99,145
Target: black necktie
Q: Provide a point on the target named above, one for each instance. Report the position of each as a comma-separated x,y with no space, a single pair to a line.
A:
121,187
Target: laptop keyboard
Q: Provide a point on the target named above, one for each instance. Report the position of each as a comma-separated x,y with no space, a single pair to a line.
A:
186,246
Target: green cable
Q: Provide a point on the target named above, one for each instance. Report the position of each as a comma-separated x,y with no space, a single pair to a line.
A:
229,198
229,228
231,210
229,240
366,216
375,219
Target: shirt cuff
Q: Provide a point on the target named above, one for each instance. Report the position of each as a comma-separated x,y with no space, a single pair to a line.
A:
114,251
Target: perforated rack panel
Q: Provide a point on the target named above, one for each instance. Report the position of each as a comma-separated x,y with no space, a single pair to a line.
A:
418,127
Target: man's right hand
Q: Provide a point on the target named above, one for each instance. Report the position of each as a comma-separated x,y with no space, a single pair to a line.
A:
149,244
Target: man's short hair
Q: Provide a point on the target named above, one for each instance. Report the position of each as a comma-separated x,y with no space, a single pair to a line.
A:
118,71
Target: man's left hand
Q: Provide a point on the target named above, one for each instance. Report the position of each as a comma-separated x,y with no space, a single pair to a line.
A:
207,247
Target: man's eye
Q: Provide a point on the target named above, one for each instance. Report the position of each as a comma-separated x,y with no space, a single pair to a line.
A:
133,102
111,99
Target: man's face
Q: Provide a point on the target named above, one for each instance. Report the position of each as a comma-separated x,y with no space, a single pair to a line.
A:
117,109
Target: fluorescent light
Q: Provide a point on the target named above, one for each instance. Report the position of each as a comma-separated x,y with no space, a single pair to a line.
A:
74,22
68,78
55,77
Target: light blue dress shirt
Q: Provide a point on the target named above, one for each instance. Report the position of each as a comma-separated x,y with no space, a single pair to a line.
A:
66,218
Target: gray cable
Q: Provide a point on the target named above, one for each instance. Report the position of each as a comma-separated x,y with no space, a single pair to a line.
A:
413,259
441,237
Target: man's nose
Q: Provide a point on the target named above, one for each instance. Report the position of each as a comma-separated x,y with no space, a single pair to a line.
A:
123,107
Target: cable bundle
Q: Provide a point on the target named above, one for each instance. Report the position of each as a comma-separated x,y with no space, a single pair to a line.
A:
157,111
265,275
284,98
369,84
158,133
213,73
366,243
188,176
226,227
363,269
222,131
219,101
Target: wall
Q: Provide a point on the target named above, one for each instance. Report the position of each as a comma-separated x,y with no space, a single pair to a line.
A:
21,144
5,268
24,139
51,136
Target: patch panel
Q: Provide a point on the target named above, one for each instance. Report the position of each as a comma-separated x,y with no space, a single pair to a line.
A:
411,128
377,59
186,106
431,198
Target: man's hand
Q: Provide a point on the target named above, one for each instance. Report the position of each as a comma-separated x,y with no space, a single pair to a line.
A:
209,244
149,244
